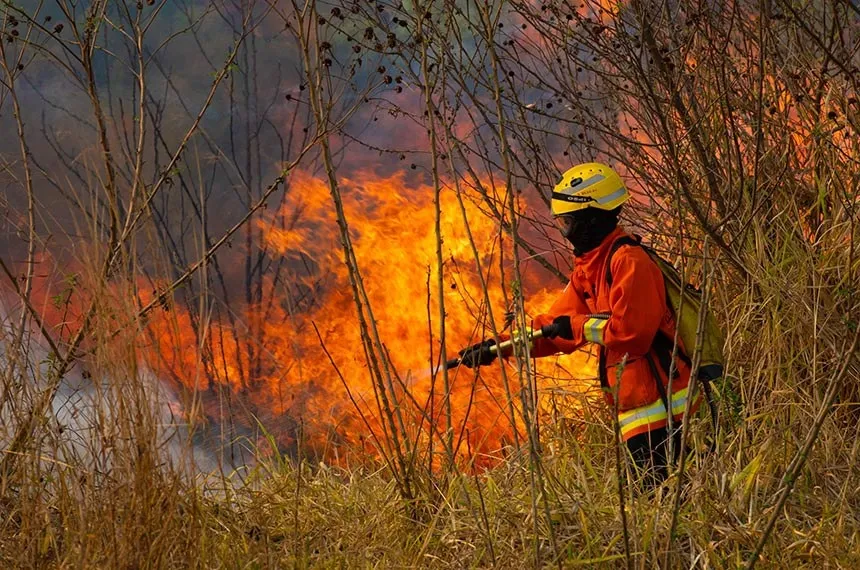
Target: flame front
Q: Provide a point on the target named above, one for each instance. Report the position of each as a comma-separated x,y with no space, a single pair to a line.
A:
309,363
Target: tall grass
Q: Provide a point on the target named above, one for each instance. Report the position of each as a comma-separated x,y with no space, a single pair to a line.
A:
113,494
97,473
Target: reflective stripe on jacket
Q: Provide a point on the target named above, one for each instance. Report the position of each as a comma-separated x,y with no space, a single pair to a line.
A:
624,318
651,417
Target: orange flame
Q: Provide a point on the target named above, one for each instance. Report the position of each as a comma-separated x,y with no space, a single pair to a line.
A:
323,381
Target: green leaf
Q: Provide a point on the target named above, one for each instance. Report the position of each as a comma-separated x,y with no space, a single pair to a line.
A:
746,476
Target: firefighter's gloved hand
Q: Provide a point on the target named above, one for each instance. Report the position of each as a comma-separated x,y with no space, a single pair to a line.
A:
478,354
560,327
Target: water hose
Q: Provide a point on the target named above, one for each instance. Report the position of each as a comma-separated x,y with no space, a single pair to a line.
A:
532,334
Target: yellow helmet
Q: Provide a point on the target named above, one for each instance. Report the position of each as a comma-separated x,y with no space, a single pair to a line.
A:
590,185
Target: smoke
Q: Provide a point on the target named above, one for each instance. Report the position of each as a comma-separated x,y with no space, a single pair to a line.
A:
237,343
85,407
90,416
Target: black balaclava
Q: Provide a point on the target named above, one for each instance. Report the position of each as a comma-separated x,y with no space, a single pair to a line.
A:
590,227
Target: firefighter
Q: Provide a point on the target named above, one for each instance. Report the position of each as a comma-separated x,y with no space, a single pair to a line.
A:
621,306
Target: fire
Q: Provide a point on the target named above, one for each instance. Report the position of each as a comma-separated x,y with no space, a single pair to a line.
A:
297,365
311,366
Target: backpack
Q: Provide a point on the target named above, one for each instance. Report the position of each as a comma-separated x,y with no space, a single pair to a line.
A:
687,322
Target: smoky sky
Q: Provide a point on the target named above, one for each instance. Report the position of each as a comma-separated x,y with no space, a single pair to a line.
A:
258,119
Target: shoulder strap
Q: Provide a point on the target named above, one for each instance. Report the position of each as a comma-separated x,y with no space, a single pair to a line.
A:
625,240
660,342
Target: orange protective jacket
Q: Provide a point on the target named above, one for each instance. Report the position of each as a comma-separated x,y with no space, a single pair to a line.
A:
624,317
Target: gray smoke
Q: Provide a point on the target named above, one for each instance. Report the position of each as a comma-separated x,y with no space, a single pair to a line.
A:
90,417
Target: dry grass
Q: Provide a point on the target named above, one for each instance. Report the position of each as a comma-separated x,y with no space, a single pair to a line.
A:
102,484
123,499
330,517
754,147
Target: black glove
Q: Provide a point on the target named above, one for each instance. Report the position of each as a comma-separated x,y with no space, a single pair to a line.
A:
478,354
560,327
